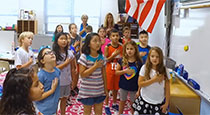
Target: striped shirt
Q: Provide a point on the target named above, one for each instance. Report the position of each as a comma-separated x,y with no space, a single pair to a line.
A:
92,85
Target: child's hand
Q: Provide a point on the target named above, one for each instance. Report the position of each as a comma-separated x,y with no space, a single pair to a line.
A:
31,59
142,53
116,52
68,60
76,43
159,78
137,94
54,84
129,71
164,108
99,63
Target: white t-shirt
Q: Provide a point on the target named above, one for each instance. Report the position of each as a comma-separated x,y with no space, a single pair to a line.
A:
22,57
154,93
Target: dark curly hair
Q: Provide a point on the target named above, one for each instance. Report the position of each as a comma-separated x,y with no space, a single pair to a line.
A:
16,90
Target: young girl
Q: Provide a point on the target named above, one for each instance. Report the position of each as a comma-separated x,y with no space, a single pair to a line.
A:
20,88
59,28
154,85
64,59
104,40
128,67
48,76
24,57
76,42
92,72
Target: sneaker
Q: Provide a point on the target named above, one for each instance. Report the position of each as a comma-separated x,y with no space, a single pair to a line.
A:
115,107
107,111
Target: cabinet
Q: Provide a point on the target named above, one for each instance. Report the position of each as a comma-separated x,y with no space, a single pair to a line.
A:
133,26
184,98
27,25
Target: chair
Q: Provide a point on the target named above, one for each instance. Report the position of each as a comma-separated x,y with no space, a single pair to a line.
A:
4,66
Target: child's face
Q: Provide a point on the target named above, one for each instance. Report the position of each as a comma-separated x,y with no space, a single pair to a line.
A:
102,33
154,58
48,56
27,41
59,29
73,29
114,37
62,41
130,50
37,89
127,33
95,43
143,38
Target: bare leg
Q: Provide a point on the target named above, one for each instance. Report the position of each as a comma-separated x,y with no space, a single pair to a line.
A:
121,107
87,109
63,105
98,108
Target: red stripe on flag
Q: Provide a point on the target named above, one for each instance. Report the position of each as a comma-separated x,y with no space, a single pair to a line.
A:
135,15
158,9
145,11
128,5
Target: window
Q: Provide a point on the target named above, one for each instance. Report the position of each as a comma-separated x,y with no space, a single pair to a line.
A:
65,12
9,13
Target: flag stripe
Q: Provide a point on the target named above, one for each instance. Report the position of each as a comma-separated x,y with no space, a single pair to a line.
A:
128,5
150,15
133,6
145,11
158,9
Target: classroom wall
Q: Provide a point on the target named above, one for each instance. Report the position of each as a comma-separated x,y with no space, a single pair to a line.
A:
157,37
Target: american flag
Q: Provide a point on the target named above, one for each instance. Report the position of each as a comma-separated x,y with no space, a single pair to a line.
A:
146,12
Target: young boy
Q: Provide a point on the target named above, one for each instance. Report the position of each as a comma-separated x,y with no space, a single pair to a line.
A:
143,45
113,52
126,34
24,57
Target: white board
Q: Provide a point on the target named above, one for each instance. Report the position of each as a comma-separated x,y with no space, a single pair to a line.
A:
194,31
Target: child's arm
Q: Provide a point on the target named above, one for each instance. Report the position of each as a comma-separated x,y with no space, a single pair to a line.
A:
73,73
167,94
51,91
84,72
120,72
114,54
104,78
66,62
144,83
142,53
25,64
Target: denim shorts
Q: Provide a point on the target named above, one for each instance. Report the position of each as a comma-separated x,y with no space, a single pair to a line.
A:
92,100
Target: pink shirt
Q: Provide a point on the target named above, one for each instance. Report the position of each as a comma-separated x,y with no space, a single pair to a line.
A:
107,41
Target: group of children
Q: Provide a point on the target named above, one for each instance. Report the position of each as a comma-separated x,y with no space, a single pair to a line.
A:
103,64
